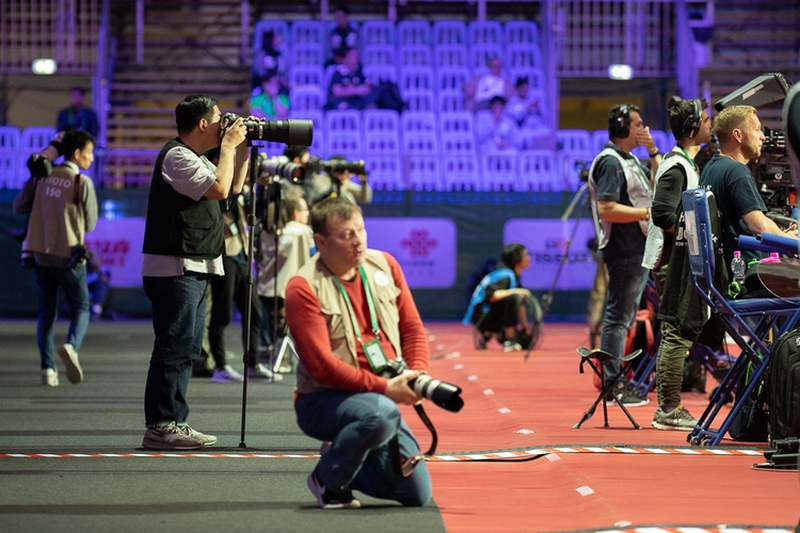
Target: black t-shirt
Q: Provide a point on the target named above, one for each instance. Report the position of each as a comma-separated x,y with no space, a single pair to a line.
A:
344,77
667,205
736,193
626,240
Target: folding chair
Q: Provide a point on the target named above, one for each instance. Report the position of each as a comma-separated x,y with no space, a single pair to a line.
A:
595,359
754,357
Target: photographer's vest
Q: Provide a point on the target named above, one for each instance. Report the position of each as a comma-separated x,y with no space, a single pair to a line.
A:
655,235
178,226
638,188
333,308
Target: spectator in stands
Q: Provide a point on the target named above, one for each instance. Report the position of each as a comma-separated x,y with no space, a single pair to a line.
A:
341,397
77,116
350,89
62,208
621,198
339,182
295,246
268,101
481,89
343,37
269,61
494,130
499,304
526,107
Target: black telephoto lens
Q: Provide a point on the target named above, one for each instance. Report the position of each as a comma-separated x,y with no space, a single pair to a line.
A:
294,132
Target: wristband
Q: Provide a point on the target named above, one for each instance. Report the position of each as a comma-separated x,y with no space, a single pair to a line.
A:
654,154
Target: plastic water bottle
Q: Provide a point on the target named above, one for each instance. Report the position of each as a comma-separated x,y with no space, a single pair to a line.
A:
738,268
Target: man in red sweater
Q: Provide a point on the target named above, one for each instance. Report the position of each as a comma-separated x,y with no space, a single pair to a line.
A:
349,310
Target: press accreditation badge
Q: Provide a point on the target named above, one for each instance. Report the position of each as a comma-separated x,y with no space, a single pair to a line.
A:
375,356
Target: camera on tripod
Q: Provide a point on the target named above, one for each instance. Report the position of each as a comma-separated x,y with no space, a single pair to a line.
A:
773,173
292,131
582,168
445,395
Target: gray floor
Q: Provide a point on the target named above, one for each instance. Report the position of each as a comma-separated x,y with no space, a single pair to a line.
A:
181,492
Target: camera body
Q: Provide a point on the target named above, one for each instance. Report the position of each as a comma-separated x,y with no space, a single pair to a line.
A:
80,256
445,395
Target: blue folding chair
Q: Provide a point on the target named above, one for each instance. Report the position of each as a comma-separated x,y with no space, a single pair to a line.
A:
754,357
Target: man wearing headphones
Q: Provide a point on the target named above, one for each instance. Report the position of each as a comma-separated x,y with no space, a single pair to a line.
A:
620,187
678,172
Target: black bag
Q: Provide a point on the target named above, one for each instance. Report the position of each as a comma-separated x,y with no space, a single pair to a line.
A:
783,386
750,423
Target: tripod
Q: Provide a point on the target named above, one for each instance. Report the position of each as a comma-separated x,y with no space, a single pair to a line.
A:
581,200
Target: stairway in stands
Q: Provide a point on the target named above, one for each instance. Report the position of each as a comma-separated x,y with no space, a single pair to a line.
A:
189,47
753,38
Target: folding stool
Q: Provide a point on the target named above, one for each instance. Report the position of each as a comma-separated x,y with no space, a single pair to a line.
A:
606,389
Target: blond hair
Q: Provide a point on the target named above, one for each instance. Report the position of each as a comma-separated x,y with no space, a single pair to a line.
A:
731,118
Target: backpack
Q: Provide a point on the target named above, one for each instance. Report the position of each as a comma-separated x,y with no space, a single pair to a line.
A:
750,423
783,386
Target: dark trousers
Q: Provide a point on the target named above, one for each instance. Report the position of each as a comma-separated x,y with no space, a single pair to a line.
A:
225,290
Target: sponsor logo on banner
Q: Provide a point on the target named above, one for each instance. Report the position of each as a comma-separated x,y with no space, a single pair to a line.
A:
546,240
118,243
424,247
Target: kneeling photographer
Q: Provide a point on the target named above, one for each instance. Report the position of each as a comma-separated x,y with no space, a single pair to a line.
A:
62,208
350,312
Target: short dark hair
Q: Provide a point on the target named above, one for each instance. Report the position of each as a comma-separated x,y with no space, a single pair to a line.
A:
335,206
619,120
75,140
497,100
189,112
679,112
291,202
513,254
295,150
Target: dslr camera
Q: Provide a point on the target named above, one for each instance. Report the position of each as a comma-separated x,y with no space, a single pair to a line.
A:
445,395
300,132
80,256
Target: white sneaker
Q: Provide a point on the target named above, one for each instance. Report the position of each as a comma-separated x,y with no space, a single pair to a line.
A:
50,377
226,375
260,371
69,357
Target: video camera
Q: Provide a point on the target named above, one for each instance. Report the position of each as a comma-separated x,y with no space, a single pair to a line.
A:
292,131
445,395
281,167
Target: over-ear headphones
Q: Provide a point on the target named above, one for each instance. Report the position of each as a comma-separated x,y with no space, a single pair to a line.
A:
619,121
691,126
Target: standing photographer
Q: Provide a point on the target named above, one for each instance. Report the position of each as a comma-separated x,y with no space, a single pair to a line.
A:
337,180
349,311
183,247
62,208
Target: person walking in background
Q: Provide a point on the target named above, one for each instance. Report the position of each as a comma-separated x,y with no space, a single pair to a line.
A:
62,208
183,247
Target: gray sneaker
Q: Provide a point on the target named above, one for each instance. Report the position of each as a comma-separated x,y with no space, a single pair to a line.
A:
678,419
170,437
207,440
69,357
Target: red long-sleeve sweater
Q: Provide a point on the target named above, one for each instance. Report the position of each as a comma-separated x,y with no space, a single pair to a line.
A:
310,334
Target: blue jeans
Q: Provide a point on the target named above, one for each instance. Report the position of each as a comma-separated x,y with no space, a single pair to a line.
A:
179,310
626,281
73,282
359,427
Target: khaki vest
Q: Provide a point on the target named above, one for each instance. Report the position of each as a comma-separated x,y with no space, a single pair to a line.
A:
334,309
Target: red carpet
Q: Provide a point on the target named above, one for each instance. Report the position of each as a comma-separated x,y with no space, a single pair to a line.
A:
627,479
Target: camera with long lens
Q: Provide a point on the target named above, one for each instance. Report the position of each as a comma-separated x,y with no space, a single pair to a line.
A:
292,131
281,167
336,166
445,395
80,256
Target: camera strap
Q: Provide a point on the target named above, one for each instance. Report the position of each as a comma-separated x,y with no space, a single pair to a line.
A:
405,469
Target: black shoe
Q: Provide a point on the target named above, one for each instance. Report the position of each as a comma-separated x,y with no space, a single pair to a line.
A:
328,499
622,394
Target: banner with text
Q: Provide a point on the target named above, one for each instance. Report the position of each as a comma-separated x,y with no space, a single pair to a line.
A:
117,244
424,247
547,240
